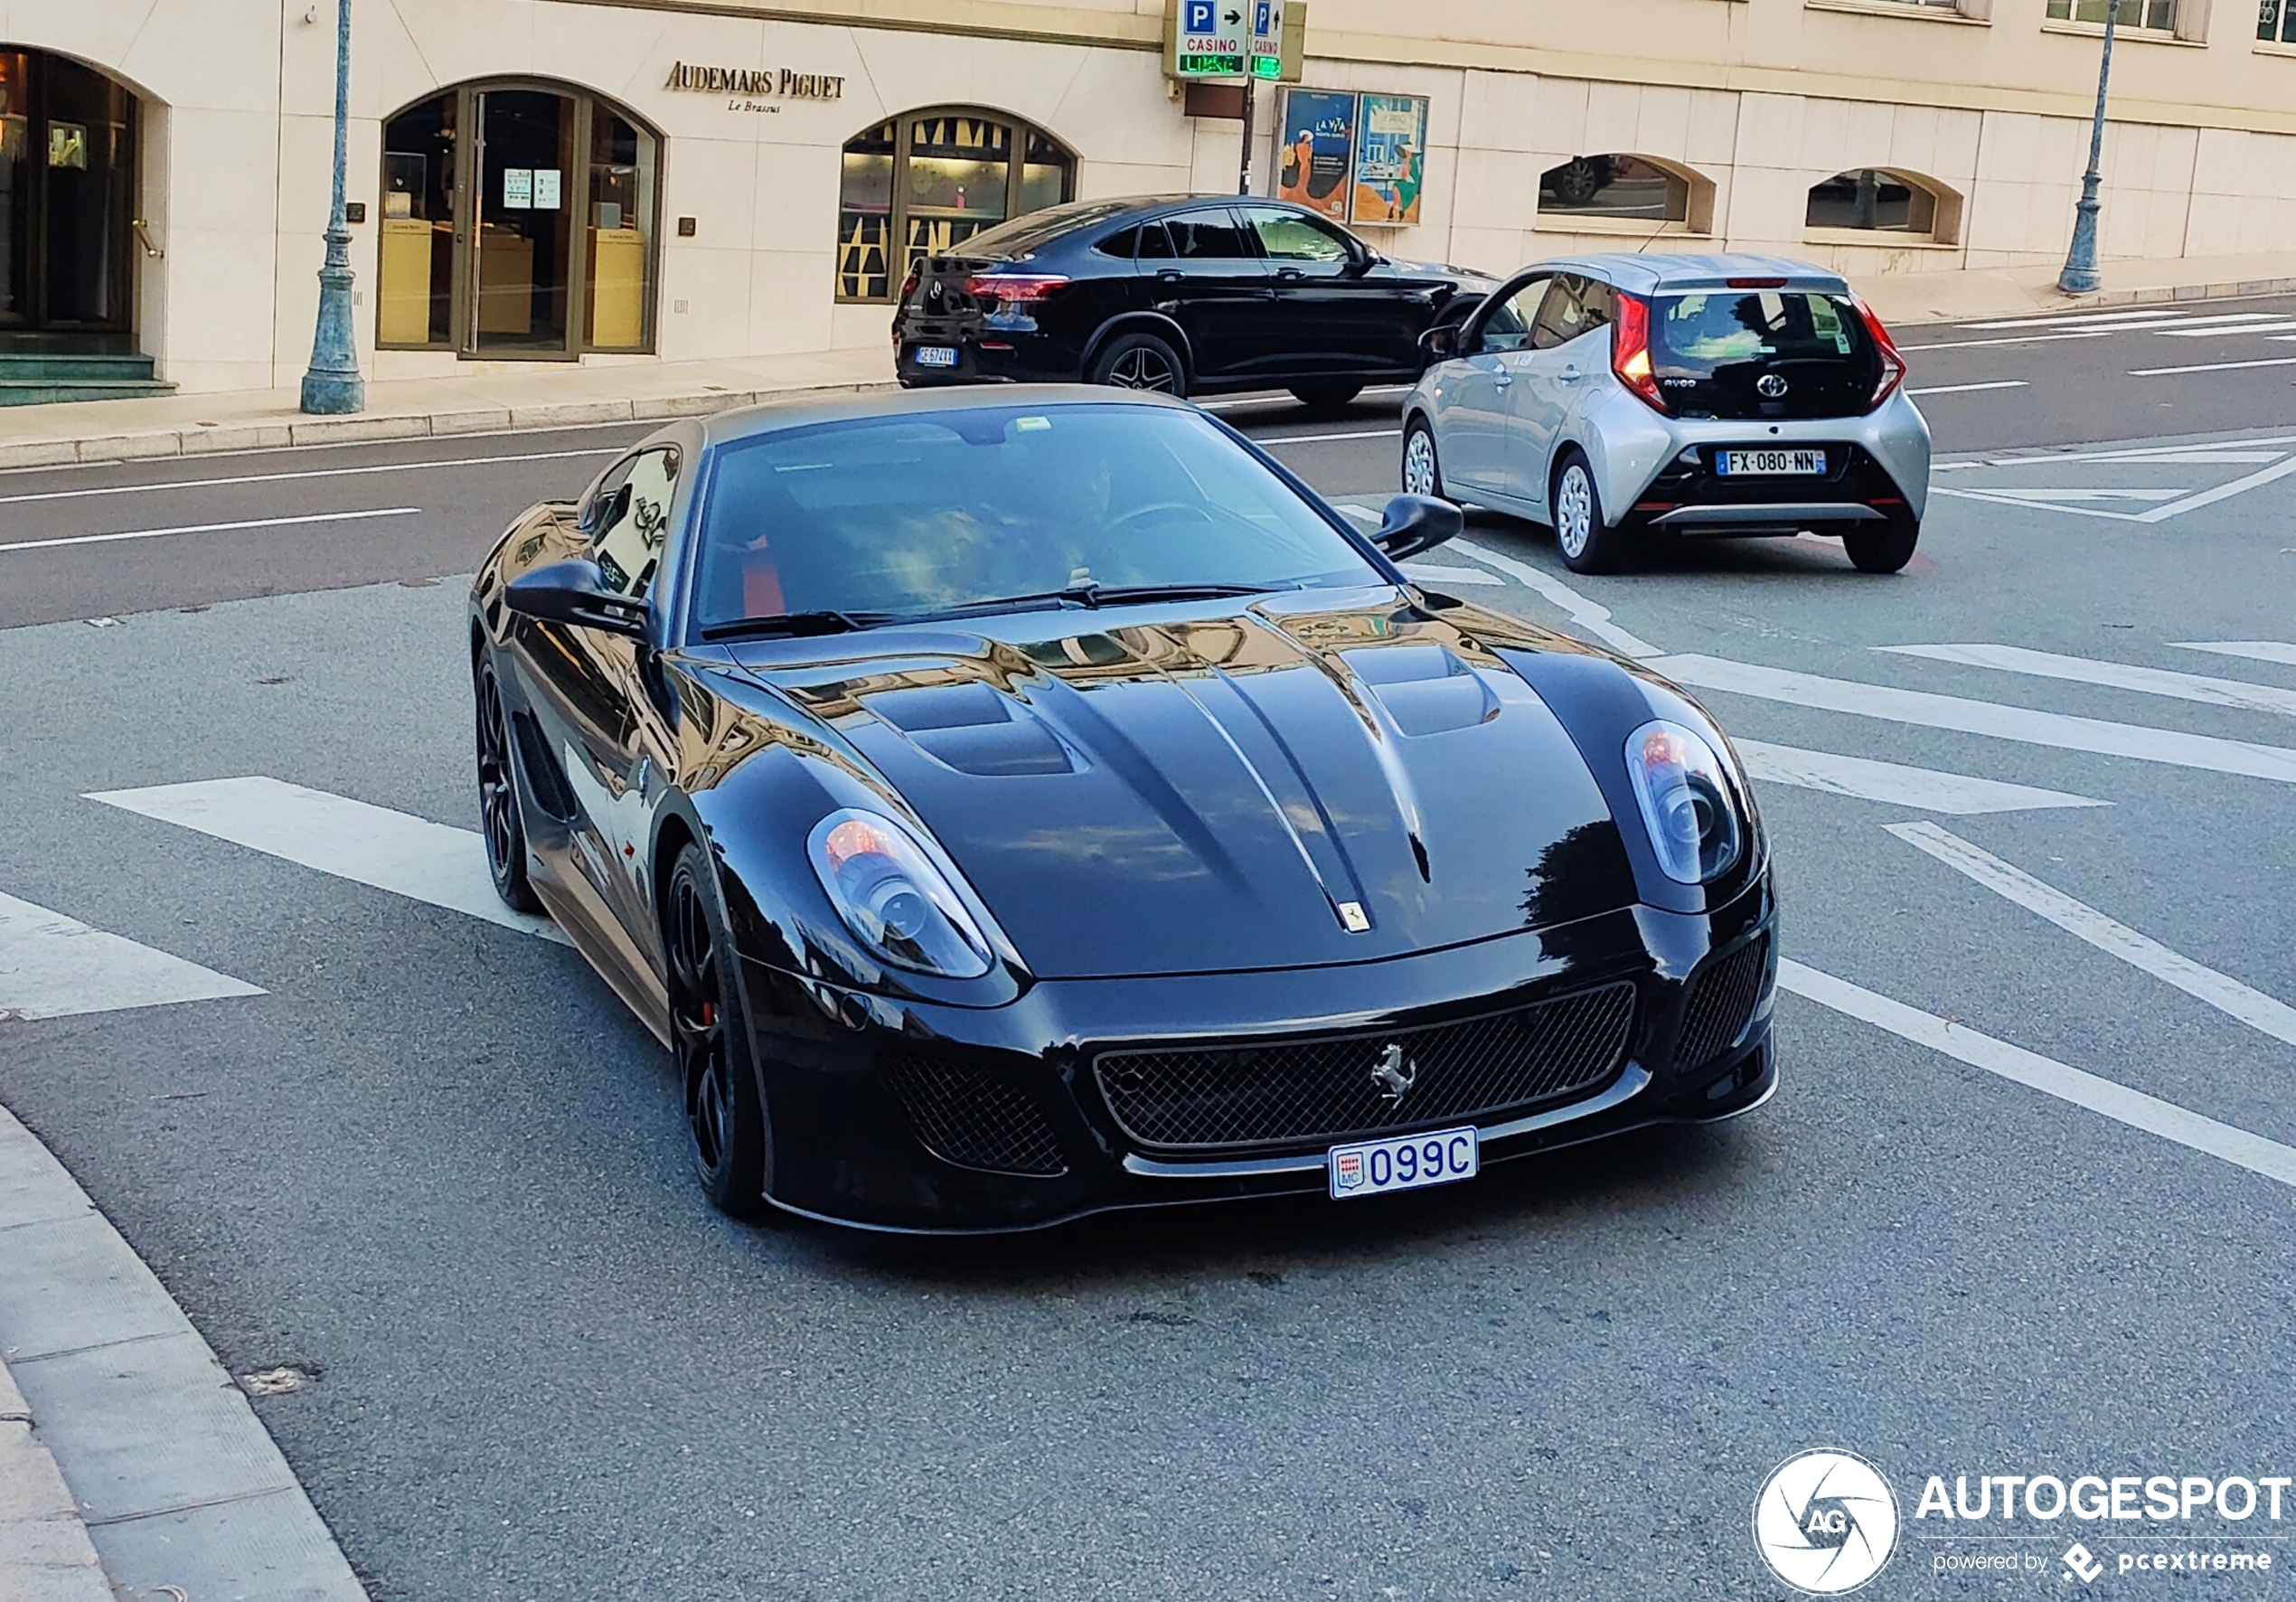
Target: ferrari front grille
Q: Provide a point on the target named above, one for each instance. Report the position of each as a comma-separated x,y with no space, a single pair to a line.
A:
1336,1087
1720,1003
974,1119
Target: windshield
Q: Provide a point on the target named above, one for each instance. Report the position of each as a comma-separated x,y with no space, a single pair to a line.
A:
919,514
1713,350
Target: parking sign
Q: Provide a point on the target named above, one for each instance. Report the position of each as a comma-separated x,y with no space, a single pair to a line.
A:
1212,38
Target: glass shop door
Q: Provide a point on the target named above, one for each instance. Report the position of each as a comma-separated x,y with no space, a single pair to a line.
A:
524,296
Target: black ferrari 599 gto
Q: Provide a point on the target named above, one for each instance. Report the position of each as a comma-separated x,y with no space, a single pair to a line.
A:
1012,805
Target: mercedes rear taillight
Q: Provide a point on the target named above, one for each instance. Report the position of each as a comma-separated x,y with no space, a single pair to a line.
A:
1013,288
1630,353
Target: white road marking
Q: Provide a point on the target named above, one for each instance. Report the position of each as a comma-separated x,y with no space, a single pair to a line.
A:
1279,397
1590,616
2277,326
1433,574
2025,492
213,528
2229,451
2169,747
2210,367
55,966
2117,675
2078,918
1895,784
2085,319
1969,345
372,845
2177,508
2254,650
1323,438
2166,1119
146,489
2006,384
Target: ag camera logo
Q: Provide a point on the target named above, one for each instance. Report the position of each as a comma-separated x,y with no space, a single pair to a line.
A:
1825,1522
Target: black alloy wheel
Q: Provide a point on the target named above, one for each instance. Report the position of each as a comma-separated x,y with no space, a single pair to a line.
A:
1141,362
1331,396
498,816
710,1036
1881,547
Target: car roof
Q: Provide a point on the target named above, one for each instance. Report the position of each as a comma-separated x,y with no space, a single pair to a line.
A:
1650,275
778,417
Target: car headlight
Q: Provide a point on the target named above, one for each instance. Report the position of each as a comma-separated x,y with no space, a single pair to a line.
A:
1689,805
893,897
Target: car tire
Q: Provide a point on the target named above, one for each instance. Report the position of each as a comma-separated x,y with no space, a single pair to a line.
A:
1422,466
1881,548
1575,507
1141,362
728,1130
1326,396
500,823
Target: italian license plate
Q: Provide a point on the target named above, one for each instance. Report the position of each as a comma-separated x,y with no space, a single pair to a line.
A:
1405,1163
1771,464
936,355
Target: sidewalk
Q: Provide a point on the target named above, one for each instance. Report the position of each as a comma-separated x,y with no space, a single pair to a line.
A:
496,396
131,1464
491,397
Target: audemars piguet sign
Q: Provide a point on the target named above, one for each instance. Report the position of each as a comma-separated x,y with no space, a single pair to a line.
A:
757,83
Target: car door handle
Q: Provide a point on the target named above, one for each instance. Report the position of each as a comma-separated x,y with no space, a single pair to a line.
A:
1290,274
1571,375
1506,380
1169,276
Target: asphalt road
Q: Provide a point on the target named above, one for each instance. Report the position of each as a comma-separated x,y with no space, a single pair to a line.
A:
439,1165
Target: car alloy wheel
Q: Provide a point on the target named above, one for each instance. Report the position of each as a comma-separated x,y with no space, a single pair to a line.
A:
1574,512
1144,367
724,1114
1421,476
498,818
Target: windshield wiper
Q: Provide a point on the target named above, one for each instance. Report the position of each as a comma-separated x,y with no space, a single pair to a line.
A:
794,624
1102,595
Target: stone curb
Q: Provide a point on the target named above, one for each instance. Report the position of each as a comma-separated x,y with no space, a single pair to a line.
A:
277,434
167,1479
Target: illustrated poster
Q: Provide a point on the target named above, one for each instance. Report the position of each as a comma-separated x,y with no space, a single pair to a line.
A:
1318,153
1391,160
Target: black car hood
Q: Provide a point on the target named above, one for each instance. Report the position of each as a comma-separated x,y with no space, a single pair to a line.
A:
1225,790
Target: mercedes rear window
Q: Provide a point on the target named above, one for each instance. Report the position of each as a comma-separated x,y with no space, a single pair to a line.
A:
1024,234
1762,352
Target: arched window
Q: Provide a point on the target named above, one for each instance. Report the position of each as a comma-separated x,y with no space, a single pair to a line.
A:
929,181
1637,194
535,236
1871,199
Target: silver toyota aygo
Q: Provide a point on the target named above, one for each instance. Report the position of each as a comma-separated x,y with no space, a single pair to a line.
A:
1625,399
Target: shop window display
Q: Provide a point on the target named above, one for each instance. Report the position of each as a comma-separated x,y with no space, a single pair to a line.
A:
925,182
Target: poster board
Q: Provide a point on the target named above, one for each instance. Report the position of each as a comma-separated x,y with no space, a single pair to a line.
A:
1315,160
1391,160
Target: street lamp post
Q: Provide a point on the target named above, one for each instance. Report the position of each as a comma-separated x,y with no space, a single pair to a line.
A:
332,384
2079,276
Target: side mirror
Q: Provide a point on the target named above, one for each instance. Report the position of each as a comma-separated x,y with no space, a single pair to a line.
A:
1415,523
576,592
1440,343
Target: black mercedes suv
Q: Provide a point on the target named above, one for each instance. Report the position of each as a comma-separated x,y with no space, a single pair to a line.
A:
1190,296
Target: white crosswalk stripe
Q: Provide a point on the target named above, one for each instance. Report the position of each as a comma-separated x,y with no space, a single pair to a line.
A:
56,967
2078,918
373,845
2119,675
2254,650
1924,788
1925,710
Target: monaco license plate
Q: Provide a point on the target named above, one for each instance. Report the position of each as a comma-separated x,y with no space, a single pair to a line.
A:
936,355
1770,463
1405,1163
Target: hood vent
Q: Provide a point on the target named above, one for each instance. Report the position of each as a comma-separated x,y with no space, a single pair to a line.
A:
972,729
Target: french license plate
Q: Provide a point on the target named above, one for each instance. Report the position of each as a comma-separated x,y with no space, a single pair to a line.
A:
1404,1163
1771,464
936,355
